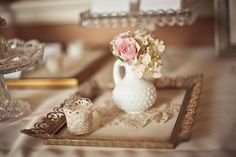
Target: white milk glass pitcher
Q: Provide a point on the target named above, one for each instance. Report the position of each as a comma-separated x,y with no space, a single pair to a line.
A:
131,94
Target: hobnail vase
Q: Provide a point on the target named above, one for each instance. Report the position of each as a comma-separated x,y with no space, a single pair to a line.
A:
131,94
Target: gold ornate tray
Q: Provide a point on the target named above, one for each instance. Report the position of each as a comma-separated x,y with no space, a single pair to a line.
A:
53,130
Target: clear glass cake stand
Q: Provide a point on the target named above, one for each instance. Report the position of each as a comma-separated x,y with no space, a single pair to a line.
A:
16,55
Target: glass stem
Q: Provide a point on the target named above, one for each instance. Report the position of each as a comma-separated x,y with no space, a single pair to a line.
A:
4,94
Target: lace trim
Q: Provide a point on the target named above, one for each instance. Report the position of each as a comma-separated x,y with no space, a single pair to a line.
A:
79,115
112,116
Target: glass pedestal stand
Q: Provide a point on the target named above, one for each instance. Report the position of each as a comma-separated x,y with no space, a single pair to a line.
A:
16,55
10,108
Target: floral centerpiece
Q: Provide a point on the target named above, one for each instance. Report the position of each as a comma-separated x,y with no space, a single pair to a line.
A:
140,51
140,55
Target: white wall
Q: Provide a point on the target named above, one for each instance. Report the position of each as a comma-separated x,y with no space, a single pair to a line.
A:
44,11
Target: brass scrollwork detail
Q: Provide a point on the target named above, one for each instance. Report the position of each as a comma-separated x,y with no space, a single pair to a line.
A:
40,128
188,119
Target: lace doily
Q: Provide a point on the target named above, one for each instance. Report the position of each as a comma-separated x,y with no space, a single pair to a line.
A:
111,115
80,118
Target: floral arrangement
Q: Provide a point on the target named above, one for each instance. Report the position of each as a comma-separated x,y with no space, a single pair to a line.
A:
141,51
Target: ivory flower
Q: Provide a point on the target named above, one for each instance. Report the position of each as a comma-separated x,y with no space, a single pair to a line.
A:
139,70
146,59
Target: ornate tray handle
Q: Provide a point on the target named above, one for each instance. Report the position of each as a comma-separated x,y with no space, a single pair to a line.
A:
48,125
54,121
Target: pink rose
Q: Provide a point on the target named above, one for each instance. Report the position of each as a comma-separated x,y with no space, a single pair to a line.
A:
125,47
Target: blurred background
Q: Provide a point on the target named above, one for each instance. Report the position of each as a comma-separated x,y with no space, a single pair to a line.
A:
58,21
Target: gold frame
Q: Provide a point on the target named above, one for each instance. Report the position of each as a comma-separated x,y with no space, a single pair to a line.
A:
49,127
74,81
223,46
